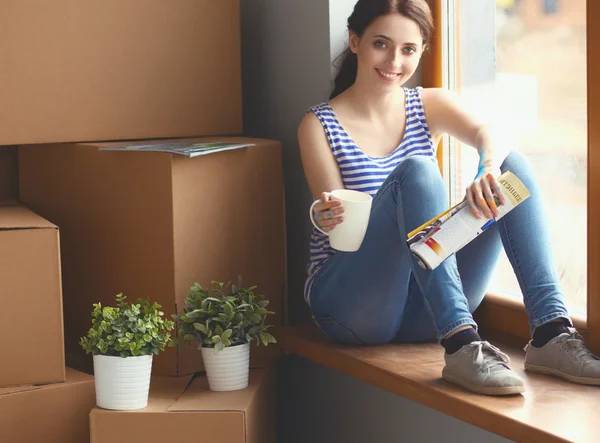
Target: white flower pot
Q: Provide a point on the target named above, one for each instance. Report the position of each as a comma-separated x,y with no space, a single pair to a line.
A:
227,370
122,384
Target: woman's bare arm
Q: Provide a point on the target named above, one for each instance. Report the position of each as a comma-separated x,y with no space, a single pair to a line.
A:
320,166
445,114
322,172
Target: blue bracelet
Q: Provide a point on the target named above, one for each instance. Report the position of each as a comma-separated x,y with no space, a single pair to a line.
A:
481,168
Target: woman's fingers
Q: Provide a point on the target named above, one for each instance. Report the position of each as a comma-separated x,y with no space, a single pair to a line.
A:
330,218
328,224
471,202
478,198
326,205
328,212
489,198
495,186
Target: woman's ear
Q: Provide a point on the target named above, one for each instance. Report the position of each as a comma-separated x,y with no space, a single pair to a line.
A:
353,41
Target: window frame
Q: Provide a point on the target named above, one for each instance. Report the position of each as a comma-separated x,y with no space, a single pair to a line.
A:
499,317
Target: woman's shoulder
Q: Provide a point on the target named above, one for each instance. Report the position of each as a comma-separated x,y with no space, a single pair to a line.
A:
318,115
318,108
310,130
312,119
436,95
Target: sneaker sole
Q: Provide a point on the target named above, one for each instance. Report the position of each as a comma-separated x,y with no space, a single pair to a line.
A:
557,373
497,391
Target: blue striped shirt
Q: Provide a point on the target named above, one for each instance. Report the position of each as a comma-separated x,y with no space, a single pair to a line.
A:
362,172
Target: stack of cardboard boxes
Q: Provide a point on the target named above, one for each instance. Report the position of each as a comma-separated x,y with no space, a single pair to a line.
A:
146,224
40,400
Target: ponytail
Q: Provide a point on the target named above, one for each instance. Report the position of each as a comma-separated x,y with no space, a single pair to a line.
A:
346,75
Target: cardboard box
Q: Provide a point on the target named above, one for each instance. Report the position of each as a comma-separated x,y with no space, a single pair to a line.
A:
150,224
57,413
31,320
114,70
193,414
8,173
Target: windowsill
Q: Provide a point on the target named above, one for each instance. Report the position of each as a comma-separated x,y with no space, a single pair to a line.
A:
550,411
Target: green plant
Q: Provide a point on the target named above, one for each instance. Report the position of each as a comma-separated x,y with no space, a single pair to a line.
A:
130,329
227,315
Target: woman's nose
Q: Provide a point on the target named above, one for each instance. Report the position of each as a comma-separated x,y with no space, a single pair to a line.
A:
396,60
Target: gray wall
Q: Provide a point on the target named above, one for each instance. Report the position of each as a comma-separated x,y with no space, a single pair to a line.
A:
288,47
286,69
320,405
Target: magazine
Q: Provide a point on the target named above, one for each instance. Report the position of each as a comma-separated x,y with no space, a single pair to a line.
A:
446,234
189,149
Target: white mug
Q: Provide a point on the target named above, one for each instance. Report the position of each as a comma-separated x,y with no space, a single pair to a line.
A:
348,235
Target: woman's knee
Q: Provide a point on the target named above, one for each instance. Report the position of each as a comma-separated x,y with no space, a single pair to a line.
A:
514,162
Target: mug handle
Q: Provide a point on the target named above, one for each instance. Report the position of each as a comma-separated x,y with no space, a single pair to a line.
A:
312,218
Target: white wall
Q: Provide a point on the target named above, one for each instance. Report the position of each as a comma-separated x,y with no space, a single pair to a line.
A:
287,51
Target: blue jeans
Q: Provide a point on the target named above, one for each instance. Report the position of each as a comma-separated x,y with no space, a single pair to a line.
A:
379,294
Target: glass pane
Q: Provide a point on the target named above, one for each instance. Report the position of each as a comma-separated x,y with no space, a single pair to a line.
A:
522,66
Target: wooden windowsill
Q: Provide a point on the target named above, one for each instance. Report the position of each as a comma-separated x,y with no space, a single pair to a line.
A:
551,410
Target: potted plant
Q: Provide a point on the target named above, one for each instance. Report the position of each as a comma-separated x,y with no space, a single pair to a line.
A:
223,321
123,340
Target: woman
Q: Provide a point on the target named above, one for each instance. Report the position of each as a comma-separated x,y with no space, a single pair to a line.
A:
378,137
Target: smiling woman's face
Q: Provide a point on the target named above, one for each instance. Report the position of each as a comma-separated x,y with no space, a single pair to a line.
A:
388,51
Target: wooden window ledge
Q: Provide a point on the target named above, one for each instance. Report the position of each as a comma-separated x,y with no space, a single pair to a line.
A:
551,410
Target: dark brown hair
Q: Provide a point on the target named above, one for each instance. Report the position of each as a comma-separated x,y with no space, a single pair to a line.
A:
365,12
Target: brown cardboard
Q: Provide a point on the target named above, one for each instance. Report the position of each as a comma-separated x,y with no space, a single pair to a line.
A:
194,414
31,320
56,413
149,224
114,70
8,173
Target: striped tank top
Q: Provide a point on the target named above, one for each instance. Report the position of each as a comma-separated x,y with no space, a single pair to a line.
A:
364,173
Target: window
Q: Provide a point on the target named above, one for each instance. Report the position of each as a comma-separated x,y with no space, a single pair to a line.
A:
525,73
525,65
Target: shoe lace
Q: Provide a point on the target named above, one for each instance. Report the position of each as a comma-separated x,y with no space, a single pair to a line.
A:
490,356
577,349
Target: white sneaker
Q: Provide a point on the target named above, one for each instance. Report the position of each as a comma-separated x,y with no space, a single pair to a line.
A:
566,357
482,368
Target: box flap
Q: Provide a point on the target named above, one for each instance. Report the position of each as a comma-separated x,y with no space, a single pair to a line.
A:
197,397
73,377
16,389
19,217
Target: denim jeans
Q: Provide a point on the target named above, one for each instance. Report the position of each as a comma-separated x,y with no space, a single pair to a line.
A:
379,294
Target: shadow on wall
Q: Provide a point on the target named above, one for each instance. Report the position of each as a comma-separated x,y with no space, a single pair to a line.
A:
337,408
286,68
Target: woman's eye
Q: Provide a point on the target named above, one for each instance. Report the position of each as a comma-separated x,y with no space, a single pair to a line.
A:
410,50
380,44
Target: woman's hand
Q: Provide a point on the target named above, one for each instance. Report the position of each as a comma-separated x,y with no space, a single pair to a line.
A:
480,193
327,214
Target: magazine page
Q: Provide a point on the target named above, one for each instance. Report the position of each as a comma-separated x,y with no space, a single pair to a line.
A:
183,148
447,233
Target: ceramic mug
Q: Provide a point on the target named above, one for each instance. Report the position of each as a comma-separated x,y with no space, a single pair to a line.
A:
348,235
